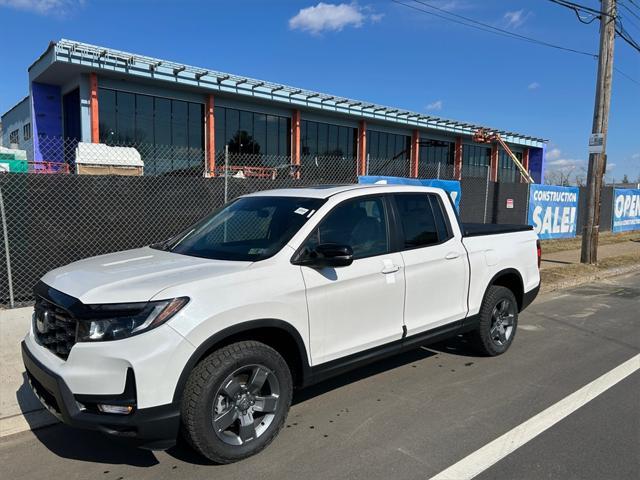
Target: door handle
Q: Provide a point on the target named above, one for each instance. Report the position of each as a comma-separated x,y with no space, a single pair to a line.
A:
452,255
390,269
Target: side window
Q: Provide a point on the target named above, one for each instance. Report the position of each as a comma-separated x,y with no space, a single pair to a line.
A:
444,232
360,223
422,219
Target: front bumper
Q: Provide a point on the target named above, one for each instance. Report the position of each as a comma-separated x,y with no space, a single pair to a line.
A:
153,428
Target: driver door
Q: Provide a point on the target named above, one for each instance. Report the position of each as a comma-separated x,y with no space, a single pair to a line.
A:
360,306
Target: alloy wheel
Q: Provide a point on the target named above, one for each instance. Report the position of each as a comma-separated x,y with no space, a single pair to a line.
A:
245,404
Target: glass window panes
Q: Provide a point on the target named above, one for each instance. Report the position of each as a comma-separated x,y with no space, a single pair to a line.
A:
252,133
388,153
359,223
507,170
169,134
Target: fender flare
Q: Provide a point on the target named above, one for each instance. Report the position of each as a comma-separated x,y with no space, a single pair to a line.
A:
205,347
506,271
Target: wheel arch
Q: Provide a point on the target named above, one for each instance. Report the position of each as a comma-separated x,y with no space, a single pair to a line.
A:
278,334
512,279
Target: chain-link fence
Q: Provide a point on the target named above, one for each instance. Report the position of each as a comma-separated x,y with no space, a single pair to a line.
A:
79,200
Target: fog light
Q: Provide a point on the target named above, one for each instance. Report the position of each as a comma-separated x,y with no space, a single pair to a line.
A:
117,409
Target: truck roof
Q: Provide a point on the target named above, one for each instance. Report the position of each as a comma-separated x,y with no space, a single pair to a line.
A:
326,191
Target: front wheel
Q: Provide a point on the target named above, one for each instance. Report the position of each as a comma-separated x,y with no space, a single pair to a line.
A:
236,401
498,322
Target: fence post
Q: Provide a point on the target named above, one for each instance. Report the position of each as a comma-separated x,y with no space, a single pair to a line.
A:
486,196
6,250
438,174
226,173
366,167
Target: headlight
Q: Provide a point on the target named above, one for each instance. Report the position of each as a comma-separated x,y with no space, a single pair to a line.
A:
114,322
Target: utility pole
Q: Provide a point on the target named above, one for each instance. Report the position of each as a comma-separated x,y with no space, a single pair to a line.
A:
597,161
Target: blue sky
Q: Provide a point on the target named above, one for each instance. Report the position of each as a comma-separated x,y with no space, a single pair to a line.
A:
377,51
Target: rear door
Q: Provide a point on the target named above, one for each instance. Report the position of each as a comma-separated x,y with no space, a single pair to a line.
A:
436,266
359,306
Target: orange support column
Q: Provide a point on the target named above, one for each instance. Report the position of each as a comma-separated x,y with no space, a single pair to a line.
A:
493,176
415,154
93,108
361,168
210,136
457,159
295,142
525,161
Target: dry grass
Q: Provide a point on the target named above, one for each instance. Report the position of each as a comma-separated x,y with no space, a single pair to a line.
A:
605,238
568,275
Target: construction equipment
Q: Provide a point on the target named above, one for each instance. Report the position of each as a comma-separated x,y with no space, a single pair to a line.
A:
485,136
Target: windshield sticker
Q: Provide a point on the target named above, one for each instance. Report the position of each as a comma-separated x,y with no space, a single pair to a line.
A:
311,213
301,210
256,251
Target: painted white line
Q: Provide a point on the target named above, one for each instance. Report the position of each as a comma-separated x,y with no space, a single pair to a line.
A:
482,459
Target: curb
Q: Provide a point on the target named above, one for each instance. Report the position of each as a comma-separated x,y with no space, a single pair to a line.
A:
574,282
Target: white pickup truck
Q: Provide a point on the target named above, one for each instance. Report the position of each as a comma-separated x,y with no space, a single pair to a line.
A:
208,333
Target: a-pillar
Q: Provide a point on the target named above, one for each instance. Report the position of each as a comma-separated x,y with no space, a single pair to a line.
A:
415,154
210,136
295,142
93,108
493,175
457,159
362,148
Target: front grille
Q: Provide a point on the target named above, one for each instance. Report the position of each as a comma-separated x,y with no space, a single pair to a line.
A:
54,328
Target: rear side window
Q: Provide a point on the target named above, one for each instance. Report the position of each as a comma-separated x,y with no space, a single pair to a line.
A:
423,221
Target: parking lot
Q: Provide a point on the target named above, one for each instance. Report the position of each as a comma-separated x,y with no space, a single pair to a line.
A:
416,415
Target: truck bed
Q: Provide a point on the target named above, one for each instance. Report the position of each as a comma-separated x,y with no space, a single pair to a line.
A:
481,229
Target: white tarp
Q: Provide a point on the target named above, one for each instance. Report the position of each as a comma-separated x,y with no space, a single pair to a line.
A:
99,154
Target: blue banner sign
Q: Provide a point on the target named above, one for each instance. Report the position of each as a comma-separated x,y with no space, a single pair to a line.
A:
553,210
626,209
452,187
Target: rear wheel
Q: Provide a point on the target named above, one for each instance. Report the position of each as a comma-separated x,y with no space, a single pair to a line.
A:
236,401
498,322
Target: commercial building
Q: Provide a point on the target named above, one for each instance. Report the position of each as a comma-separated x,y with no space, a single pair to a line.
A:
88,93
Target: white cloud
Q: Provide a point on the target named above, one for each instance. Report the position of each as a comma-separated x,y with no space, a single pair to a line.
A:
43,7
635,156
516,18
533,86
437,105
553,154
332,17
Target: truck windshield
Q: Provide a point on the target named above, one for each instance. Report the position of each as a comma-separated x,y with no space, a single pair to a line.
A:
248,229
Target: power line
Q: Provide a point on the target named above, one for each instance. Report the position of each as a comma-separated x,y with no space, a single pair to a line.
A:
628,77
577,6
469,22
624,5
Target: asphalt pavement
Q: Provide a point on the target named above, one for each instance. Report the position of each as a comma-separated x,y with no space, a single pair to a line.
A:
415,415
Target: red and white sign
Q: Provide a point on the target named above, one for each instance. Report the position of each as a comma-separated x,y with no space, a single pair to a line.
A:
509,202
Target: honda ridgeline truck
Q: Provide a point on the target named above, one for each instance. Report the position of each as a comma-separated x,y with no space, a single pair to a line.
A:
208,333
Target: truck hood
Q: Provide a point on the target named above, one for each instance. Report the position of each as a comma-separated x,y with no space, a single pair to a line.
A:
133,275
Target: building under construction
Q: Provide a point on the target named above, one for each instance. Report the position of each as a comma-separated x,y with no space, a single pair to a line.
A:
87,93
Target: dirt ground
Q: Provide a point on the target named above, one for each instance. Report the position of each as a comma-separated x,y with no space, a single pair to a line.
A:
605,238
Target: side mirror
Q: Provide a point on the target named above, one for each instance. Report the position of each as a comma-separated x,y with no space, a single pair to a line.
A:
328,255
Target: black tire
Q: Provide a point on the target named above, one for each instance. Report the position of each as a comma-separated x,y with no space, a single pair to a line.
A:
486,339
205,387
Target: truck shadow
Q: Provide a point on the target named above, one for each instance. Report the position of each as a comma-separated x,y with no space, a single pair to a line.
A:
90,446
